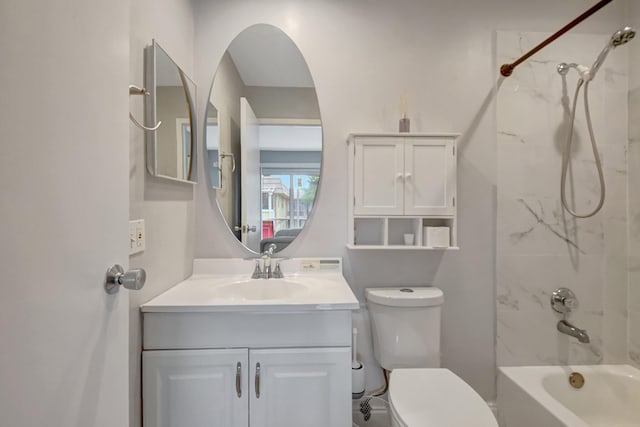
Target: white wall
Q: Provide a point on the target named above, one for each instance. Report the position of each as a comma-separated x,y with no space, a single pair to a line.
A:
166,206
363,55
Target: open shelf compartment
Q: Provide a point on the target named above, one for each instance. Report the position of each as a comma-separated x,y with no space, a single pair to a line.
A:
389,233
432,230
370,232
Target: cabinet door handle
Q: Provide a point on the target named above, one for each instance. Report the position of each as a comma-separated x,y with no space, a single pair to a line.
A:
257,381
399,175
239,379
408,175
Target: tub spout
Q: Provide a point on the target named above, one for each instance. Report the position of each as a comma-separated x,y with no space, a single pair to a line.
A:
567,328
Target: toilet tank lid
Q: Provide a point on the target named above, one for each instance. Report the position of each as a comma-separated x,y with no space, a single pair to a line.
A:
407,296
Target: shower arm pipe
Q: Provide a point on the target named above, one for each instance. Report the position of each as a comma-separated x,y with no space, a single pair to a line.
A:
507,69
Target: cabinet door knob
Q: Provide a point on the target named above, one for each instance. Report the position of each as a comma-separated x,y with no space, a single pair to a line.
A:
399,175
408,175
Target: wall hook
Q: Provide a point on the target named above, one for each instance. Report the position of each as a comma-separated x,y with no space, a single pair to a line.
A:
135,90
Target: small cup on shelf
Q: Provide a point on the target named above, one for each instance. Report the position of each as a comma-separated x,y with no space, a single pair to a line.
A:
408,239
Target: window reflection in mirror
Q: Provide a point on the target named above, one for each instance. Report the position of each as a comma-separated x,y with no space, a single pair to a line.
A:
290,158
266,169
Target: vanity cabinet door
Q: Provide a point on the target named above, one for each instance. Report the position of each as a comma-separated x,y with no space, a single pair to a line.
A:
378,175
308,387
195,388
430,173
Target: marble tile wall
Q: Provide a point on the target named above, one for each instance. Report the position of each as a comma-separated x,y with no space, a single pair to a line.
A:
634,195
539,246
634,227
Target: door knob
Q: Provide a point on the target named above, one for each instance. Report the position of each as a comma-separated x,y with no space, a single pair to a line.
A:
133,279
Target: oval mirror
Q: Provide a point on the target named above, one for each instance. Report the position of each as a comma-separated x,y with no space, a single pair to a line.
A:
263,139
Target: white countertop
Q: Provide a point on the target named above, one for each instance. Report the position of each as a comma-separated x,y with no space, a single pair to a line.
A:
226,285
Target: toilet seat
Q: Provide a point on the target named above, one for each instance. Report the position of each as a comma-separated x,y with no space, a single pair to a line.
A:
435,397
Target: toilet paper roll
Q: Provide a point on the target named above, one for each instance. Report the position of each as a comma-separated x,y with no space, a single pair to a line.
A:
437,237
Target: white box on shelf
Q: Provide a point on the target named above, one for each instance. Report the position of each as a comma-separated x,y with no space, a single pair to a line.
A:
437,237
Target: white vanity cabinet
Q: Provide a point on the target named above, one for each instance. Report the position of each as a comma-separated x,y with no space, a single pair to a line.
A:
243,387
300,387
239,369
399,184
196,388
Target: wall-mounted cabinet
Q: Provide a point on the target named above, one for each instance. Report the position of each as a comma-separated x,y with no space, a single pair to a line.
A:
402,184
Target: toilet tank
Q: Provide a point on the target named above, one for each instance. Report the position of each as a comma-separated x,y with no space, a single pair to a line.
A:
405,326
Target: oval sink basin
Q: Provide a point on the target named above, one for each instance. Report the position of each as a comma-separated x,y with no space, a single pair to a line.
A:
261,289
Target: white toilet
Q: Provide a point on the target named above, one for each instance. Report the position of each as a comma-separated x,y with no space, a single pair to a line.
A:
405,325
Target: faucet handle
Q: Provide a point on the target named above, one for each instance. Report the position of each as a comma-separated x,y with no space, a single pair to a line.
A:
277,273
571,302
257,271
563,300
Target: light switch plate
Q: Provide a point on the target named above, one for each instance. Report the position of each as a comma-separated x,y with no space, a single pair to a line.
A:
137,236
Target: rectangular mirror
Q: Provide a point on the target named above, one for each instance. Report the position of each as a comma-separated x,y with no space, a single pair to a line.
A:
171,149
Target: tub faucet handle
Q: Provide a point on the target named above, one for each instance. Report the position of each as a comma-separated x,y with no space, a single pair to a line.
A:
563,300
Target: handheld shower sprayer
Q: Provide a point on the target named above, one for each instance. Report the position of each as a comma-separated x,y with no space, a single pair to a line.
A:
618,38
586,74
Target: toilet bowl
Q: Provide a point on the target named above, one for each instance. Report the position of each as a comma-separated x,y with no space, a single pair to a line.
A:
405,325
425,397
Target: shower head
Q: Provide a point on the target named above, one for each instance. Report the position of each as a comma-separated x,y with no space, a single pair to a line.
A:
618,38
622,36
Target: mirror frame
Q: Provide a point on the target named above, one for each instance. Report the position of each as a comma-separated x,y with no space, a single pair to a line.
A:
214,190
151,137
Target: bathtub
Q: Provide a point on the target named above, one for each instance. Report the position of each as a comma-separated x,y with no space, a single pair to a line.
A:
541,396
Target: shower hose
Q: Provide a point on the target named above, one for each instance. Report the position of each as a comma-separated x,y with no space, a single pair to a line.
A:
567,154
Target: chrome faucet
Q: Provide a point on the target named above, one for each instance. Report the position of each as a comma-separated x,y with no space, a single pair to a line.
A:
266,258
563,301
266,271
567,328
